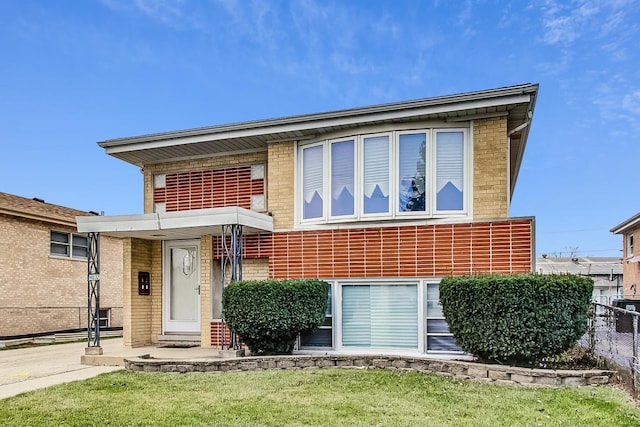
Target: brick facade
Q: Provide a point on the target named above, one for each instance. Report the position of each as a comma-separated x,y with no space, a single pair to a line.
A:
409,251
490,155
42,293
487,241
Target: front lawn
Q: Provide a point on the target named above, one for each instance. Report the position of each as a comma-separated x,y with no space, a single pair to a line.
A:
319,397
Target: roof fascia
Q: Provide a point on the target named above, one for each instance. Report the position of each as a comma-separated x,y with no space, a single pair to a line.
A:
626,225
37,217
264,128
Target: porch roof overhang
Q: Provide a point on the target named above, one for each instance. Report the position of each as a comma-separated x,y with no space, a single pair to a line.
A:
177,225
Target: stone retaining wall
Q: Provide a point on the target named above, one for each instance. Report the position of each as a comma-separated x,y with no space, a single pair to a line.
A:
459,369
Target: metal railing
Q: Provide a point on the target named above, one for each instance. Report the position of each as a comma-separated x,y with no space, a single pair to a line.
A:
612,335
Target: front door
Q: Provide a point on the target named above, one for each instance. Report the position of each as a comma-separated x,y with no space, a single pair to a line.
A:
181,296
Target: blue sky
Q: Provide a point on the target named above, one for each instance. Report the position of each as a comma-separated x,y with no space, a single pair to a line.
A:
74,72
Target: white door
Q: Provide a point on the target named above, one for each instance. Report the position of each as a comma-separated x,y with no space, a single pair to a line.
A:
181,296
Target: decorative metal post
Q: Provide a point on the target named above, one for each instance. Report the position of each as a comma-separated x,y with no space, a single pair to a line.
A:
231,256
93,295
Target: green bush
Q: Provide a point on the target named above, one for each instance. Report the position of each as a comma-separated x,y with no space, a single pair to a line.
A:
517,319
268,315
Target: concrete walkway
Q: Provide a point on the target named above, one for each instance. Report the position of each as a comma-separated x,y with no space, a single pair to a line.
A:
27,369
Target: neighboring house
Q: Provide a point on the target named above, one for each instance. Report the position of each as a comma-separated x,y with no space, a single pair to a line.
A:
43,270
630,231
380,201
606,273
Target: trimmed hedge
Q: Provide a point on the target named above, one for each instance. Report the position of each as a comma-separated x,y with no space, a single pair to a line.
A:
516,319
268,315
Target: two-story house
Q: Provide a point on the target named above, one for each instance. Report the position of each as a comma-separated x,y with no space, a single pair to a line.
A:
43,270
630,231
380,201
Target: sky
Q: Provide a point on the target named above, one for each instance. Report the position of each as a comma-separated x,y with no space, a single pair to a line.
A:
75,72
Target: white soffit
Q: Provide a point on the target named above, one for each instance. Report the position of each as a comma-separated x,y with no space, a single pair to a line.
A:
176,225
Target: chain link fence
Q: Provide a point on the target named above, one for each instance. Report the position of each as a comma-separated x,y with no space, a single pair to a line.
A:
612,335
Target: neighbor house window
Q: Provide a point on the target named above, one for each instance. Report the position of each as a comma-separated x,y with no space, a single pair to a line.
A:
629,239
390,175
105,317
69,245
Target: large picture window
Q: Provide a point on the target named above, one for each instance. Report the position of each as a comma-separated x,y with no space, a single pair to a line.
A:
380,316
385,176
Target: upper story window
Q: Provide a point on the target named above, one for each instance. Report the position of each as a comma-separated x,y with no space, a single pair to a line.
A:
386,175
69,245
629,245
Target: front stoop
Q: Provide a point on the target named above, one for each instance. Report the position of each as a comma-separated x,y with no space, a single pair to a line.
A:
179,340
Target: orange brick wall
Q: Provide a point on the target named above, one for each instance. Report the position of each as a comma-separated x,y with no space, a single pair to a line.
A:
203,164
400,251
212,188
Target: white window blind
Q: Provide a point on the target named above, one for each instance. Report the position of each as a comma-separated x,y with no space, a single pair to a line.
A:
342,178
376,175
449,171
380,316
312,182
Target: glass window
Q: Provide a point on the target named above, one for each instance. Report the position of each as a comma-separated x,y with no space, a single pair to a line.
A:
69,245
379,316
323,336
449,171
629,245
376,175
59,244
439,338
80,247
312,182
342,178
384,176
412,172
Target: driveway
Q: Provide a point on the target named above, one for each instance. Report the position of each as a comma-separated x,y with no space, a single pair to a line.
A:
27,369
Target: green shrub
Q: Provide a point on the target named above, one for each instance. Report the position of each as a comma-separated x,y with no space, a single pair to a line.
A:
517,319
268,315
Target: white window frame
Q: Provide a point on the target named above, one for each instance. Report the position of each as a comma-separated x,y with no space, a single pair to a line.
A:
390,177
325,186
466,169
337,315
629,244
331,314
70,245
394,209
356,183
428,179
428,316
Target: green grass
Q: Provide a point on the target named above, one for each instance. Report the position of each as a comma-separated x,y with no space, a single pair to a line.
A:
322,397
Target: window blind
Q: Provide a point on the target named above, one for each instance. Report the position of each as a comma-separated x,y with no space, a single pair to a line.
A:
449,170
380,316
